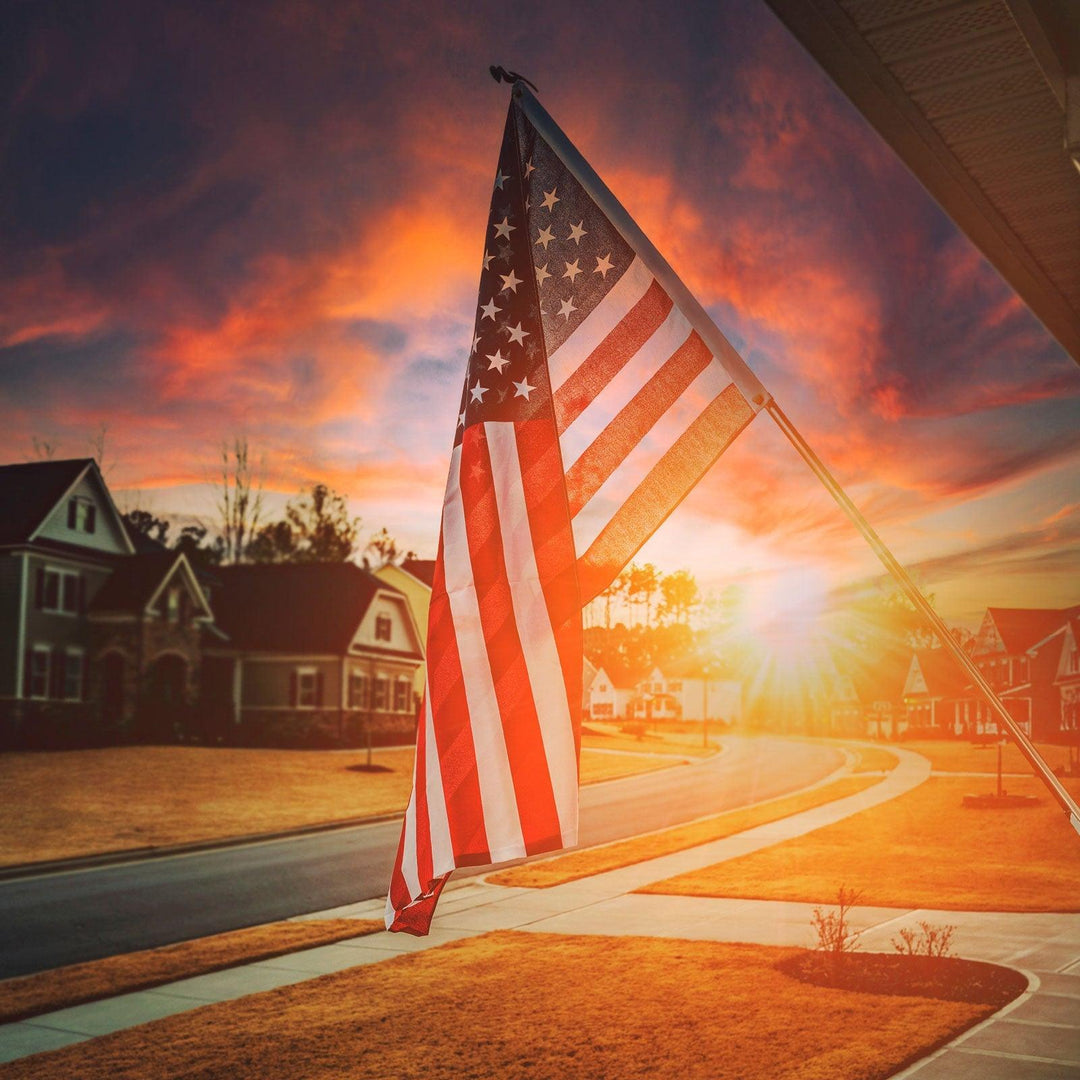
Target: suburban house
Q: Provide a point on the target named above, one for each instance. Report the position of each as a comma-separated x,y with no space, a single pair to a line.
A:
95,633
937,696
684,690
414,578
866,700
312,654
1055,672
608,699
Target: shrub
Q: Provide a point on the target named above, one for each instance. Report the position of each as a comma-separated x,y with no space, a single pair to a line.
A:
929,940
836,938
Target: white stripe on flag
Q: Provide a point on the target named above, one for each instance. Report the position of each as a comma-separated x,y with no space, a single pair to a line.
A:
637,371
497,797
616,489
596,326
409,869
534,628
442,851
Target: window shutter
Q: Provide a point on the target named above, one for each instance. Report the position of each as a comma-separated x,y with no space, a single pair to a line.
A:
293,689
80,594
91,517
319,690
39,588
73,513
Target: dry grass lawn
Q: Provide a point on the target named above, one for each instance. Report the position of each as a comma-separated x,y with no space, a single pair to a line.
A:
688,744
947,755
72,985
923,849
83,802
516,1005
579,864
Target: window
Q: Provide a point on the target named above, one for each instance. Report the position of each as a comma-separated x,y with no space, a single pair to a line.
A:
40,666
306,688
72,689
382,693
383,627
172,604
602,688
82,514
674,687
59,591
358,690
401,695
604,708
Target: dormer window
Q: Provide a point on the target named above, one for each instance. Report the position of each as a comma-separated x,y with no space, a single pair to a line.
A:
383,627
172,604
82,514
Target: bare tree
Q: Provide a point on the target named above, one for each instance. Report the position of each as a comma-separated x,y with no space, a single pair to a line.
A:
43,449
96,443
239,499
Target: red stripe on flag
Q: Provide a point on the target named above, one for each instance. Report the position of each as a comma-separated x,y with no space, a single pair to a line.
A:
610,447
662,489
453,732
553,543
605,361
517,709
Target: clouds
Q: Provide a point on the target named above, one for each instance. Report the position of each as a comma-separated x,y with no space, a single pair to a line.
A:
267,217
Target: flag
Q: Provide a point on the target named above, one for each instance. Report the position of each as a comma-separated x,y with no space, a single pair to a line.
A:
591,406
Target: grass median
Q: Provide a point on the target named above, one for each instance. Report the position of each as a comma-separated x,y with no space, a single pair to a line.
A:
515,1005
75,984
580,864
922,849
135,797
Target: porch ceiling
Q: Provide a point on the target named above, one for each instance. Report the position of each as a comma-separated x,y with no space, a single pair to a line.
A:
979,99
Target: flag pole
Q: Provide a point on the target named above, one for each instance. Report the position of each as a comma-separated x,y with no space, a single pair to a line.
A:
760,399
921,604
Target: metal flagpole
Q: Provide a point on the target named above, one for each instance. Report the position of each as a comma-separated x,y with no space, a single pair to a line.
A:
760,399
914,594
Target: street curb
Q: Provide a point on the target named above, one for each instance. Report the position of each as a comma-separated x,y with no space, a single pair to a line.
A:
133,855
113,858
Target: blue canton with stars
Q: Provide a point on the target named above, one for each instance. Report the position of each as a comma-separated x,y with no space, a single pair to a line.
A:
550,256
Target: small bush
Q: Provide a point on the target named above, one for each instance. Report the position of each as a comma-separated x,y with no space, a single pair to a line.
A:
636,729
928,940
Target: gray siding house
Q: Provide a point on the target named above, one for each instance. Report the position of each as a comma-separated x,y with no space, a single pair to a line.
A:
312,654
94,633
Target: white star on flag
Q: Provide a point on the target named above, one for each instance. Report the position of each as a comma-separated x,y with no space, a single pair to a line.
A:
550,199
577,232
504,228
523,389
478,392
517,334
510,281
498,361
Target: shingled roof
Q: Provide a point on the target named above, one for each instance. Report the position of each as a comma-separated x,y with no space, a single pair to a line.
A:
423,569
1020,628
134,581
28,492
306,608
941,672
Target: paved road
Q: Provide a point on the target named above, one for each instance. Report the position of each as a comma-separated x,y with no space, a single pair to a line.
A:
64,918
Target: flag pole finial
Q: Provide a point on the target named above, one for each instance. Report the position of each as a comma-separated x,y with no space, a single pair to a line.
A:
500,74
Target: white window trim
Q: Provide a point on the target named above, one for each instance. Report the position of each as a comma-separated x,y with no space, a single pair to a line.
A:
61,574
300,673
406,684
46,651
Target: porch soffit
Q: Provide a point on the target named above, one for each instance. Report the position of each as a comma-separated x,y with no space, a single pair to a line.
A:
972,95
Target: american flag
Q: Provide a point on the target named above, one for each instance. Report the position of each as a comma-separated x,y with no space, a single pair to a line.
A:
591,407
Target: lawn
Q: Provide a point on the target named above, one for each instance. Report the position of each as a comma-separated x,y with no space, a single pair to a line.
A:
923,849
515,1005
132,797
45,991
947,755
579,864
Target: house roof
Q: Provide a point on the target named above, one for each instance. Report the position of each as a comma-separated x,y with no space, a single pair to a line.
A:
133,583
423,569
304,608
1020,628
943,675
30,491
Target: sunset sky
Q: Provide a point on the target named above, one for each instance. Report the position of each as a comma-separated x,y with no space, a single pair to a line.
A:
268,218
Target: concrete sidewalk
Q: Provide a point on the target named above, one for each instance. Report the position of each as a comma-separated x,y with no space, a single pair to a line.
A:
1035,1038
